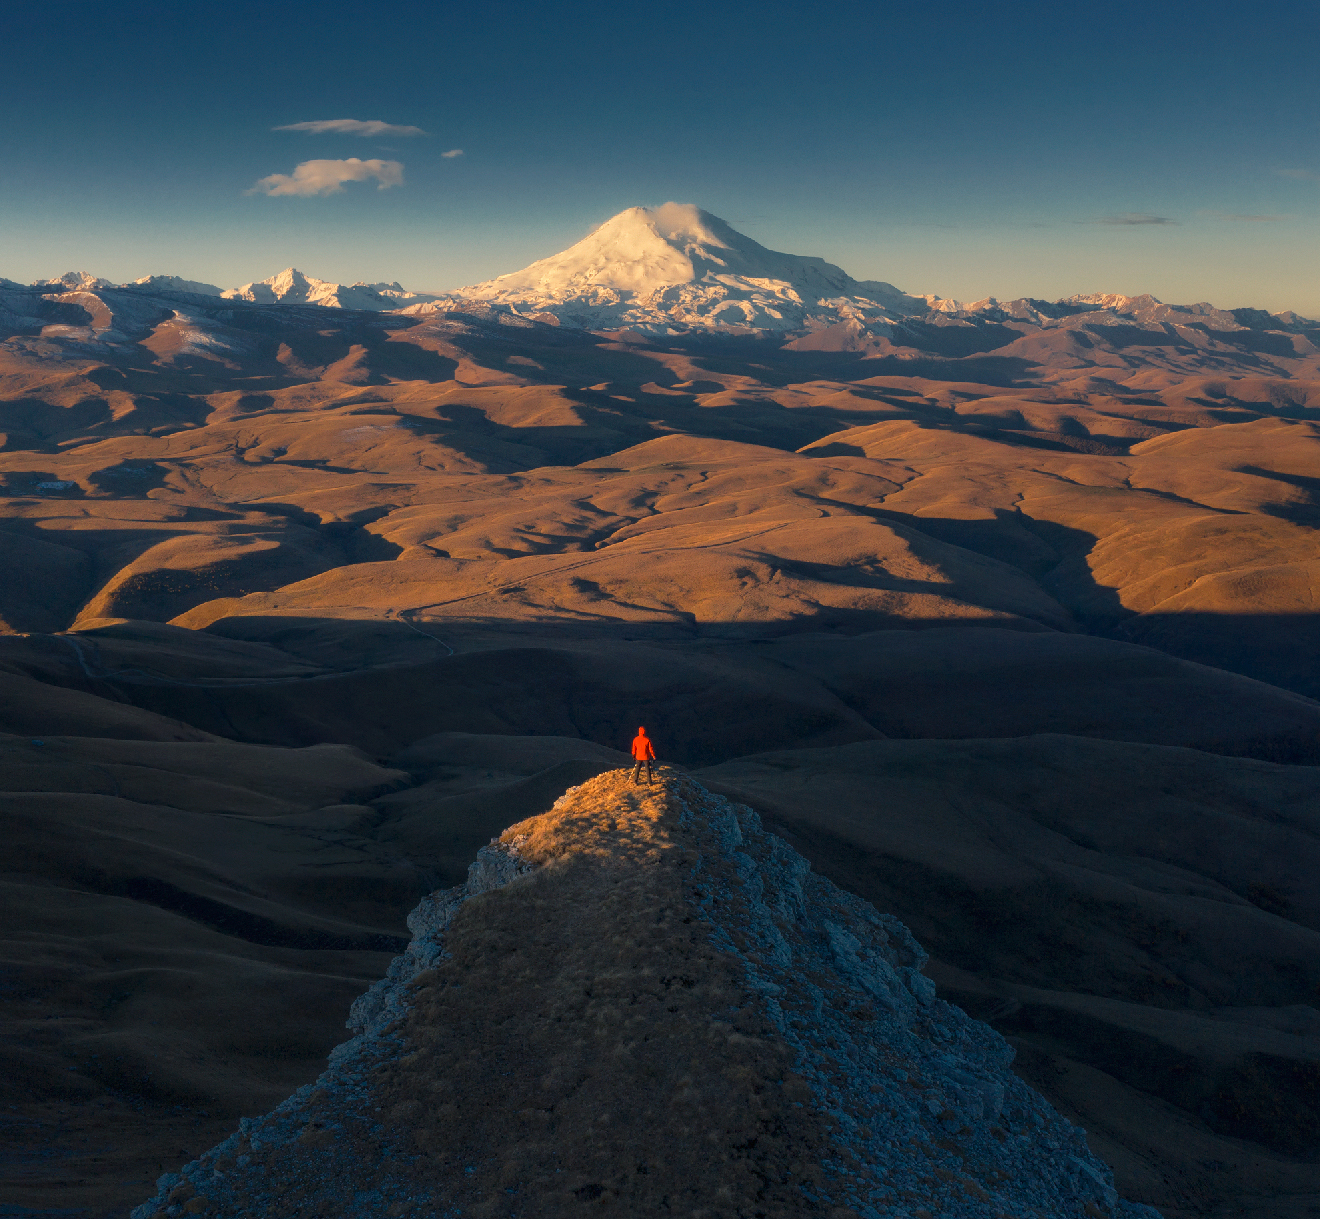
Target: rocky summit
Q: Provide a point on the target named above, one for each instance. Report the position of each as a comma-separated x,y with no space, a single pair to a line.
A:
643,1002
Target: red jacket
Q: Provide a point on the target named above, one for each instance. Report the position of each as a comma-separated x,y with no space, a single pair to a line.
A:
641,747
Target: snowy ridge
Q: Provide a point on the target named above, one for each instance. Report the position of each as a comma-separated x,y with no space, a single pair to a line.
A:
292,287
174,283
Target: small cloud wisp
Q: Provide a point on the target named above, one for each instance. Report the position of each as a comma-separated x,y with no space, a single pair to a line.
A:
1134,218
328,177
363,127
1247,217
453,152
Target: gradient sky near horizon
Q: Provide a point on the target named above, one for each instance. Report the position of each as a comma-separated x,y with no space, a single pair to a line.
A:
963,149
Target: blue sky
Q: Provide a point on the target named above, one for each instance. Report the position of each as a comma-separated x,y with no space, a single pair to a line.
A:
965,149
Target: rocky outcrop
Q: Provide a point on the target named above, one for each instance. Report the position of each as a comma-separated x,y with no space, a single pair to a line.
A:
642,1000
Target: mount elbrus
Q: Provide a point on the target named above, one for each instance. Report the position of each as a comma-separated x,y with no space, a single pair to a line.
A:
1001,615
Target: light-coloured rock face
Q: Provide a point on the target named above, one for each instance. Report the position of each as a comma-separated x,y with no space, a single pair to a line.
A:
642,1001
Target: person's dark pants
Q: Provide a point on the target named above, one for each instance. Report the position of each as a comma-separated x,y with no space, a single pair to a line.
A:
637,770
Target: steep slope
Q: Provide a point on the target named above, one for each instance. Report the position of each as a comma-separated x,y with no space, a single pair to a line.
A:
1143,923
642,1001
1135,919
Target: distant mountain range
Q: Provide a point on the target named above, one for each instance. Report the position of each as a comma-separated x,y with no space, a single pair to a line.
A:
677,269
289,287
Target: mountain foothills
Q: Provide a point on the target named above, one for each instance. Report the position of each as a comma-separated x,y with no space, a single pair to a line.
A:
1001,614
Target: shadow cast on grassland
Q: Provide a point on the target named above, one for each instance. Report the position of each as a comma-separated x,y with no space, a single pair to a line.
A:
1071,979
1298,514
710,697
66,563
622,411
608,423
777,366
947,354
1281,649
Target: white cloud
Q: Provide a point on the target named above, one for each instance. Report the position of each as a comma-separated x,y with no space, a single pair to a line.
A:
328,177
453,152
350,127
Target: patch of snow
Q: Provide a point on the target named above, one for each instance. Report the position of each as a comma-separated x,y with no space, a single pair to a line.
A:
200,335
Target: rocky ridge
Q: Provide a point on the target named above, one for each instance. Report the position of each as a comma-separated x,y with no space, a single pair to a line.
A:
642,1000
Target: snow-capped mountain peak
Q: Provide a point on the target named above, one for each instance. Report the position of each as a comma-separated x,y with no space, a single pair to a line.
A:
675,268
74,281
642,251
290,286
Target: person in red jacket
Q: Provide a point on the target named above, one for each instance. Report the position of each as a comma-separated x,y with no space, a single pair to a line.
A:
642,751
